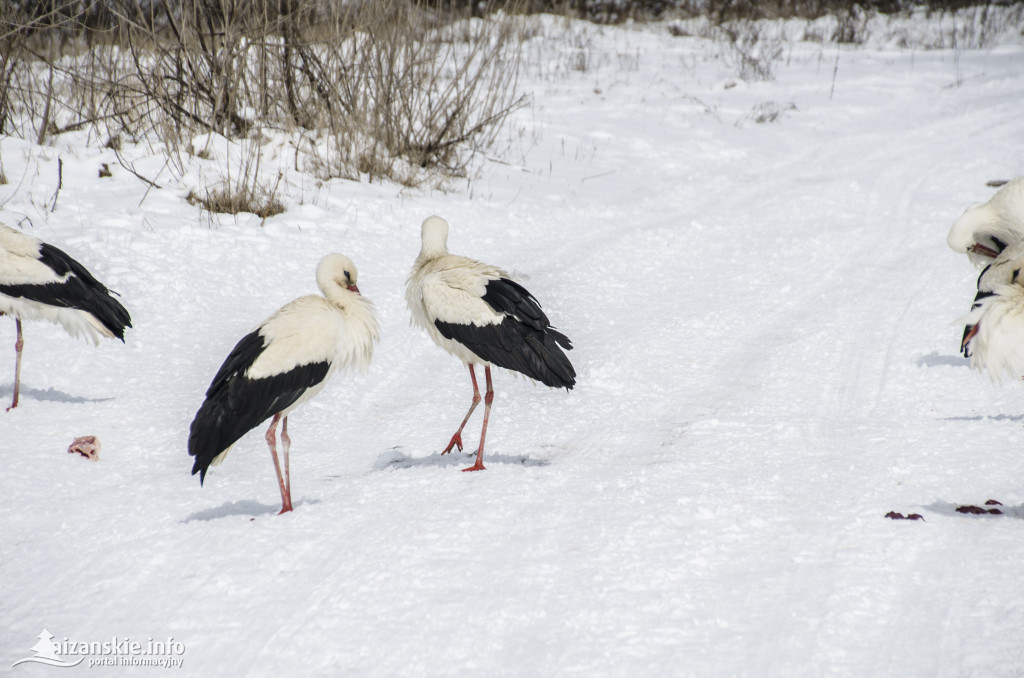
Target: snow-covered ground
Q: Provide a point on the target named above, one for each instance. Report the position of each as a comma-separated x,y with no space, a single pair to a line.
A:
762,316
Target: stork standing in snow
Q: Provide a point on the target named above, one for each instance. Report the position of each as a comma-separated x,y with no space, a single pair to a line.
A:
992,236
480,315
283,363
40,282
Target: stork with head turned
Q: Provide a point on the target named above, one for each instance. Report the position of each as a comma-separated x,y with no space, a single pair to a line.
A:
281,364
985,229
991,234
481,316
40,282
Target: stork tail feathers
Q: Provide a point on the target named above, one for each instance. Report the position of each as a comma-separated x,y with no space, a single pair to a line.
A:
83,291
519,347
559,370
207,439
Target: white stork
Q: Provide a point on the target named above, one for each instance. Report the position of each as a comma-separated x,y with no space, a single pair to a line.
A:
40,282
986,228
995,326
481,316
992,236
283,363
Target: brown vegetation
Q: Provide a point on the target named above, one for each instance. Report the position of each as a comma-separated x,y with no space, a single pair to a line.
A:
400,90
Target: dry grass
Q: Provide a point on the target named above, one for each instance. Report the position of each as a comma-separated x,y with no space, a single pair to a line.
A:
226,199
401,90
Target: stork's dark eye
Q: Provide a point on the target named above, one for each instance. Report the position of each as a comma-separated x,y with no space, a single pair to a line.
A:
348,276
1016,272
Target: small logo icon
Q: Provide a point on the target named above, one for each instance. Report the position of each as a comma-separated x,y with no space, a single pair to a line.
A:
46,652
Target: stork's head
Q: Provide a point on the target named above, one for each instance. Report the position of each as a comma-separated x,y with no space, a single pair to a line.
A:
979,233
435,237
337,270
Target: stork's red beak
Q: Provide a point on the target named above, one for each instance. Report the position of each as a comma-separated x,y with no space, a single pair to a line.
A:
353,288
984,250
970,335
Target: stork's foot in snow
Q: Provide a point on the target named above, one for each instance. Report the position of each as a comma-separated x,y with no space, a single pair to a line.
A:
456,441
479,466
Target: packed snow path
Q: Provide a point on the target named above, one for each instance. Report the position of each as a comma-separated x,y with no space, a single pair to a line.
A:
767,365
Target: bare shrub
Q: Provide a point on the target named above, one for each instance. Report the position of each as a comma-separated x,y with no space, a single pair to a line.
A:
769,111
195,61
851,26
975,26
59,70
400,89
402,92
393,83
753,53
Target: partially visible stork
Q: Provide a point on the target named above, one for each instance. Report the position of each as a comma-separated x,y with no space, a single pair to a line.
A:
481,316
985,229
994,334
40,282
281,364
991,234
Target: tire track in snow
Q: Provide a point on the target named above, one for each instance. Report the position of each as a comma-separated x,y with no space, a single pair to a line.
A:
863,384
843,399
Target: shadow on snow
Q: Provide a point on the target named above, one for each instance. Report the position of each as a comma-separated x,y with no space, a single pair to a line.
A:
49,395
987,417
945,508
246,507
395,458
933,359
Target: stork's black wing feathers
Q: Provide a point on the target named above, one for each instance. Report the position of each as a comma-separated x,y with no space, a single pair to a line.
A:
241,358
236,404
509,297
964,348
524,341
80,291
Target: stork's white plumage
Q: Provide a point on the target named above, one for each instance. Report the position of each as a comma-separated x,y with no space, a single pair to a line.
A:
480,315
281,364
986,228
40,282
992,235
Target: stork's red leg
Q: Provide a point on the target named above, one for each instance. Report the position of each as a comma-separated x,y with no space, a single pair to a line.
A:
457,438
18,344
287,467
286,497
488,399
